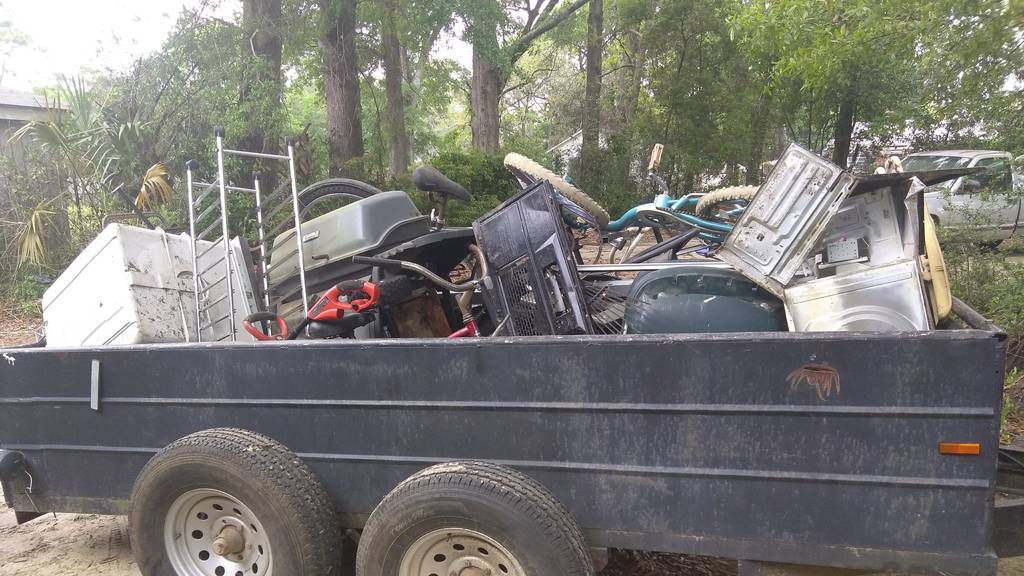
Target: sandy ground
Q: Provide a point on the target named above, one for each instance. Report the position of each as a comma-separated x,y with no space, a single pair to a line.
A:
20,326
65,545
74,544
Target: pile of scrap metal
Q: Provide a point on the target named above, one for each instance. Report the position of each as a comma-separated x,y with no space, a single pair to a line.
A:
844,253
816,249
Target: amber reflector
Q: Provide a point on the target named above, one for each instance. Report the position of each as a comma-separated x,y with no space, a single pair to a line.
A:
959,448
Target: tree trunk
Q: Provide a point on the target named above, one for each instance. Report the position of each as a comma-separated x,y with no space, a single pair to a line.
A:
591,124
392,49
759,131
484,97
415,72
632,78
842,133
492,65
341,82
260,89
261,23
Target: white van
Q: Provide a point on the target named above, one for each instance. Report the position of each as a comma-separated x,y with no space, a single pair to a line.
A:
985,200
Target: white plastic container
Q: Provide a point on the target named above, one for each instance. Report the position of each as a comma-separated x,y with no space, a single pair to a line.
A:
132,286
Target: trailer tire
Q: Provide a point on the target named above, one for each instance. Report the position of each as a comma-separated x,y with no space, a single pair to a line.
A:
462,515
279,514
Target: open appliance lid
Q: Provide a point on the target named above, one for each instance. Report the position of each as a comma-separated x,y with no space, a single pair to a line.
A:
787,217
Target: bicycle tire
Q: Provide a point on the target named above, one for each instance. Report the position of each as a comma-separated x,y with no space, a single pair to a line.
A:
517,162
715,197
317,191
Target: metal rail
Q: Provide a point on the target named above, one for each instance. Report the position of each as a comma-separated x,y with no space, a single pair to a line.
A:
205,216
192,235
263,155
649,266
298,228
224,228
265,284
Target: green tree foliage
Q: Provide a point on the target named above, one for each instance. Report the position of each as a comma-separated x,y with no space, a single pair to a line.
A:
833,64
884,66
723,84
92,156
970,78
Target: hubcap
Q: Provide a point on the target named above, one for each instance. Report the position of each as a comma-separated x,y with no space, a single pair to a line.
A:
458,552
211,533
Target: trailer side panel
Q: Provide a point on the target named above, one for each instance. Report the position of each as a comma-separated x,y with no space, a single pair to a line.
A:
815,448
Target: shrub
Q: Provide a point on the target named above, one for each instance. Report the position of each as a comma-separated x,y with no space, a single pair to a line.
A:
484,176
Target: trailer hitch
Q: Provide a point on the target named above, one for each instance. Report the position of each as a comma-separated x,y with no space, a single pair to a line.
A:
12,466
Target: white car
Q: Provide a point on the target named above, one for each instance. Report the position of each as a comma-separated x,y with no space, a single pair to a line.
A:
985,201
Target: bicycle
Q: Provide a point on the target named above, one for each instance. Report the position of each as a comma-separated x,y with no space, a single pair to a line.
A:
707,217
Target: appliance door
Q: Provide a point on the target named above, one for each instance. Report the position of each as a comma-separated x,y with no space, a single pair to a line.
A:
786,218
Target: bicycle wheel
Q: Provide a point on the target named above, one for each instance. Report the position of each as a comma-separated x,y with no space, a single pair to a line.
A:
528,172
319,192
706,205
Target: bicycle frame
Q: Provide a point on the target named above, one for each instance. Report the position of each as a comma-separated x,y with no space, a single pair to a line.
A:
675,208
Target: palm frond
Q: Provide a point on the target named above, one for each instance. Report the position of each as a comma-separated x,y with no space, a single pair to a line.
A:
32,239
85,112
49,135
156,188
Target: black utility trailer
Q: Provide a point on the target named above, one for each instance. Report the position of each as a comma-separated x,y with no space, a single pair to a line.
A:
785,451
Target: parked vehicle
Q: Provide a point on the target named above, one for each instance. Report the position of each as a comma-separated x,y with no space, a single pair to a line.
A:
985,201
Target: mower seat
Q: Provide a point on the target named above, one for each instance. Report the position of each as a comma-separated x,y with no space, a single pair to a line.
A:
430,179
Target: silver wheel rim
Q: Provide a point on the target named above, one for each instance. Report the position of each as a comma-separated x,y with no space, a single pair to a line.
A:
202,522
458,552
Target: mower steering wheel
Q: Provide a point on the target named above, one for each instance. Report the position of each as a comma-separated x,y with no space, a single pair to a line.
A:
282,326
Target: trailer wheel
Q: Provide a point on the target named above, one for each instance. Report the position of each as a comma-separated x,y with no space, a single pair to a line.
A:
471,519
227,502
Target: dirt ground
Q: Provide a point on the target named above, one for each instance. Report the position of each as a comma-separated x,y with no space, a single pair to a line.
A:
74,544
19,326
68,545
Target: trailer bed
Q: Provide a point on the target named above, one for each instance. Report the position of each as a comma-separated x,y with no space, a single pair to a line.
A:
817,449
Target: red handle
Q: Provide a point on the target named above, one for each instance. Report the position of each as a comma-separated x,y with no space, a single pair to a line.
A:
282,330
470,330
330,307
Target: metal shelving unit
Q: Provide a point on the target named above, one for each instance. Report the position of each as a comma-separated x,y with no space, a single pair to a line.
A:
217,267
